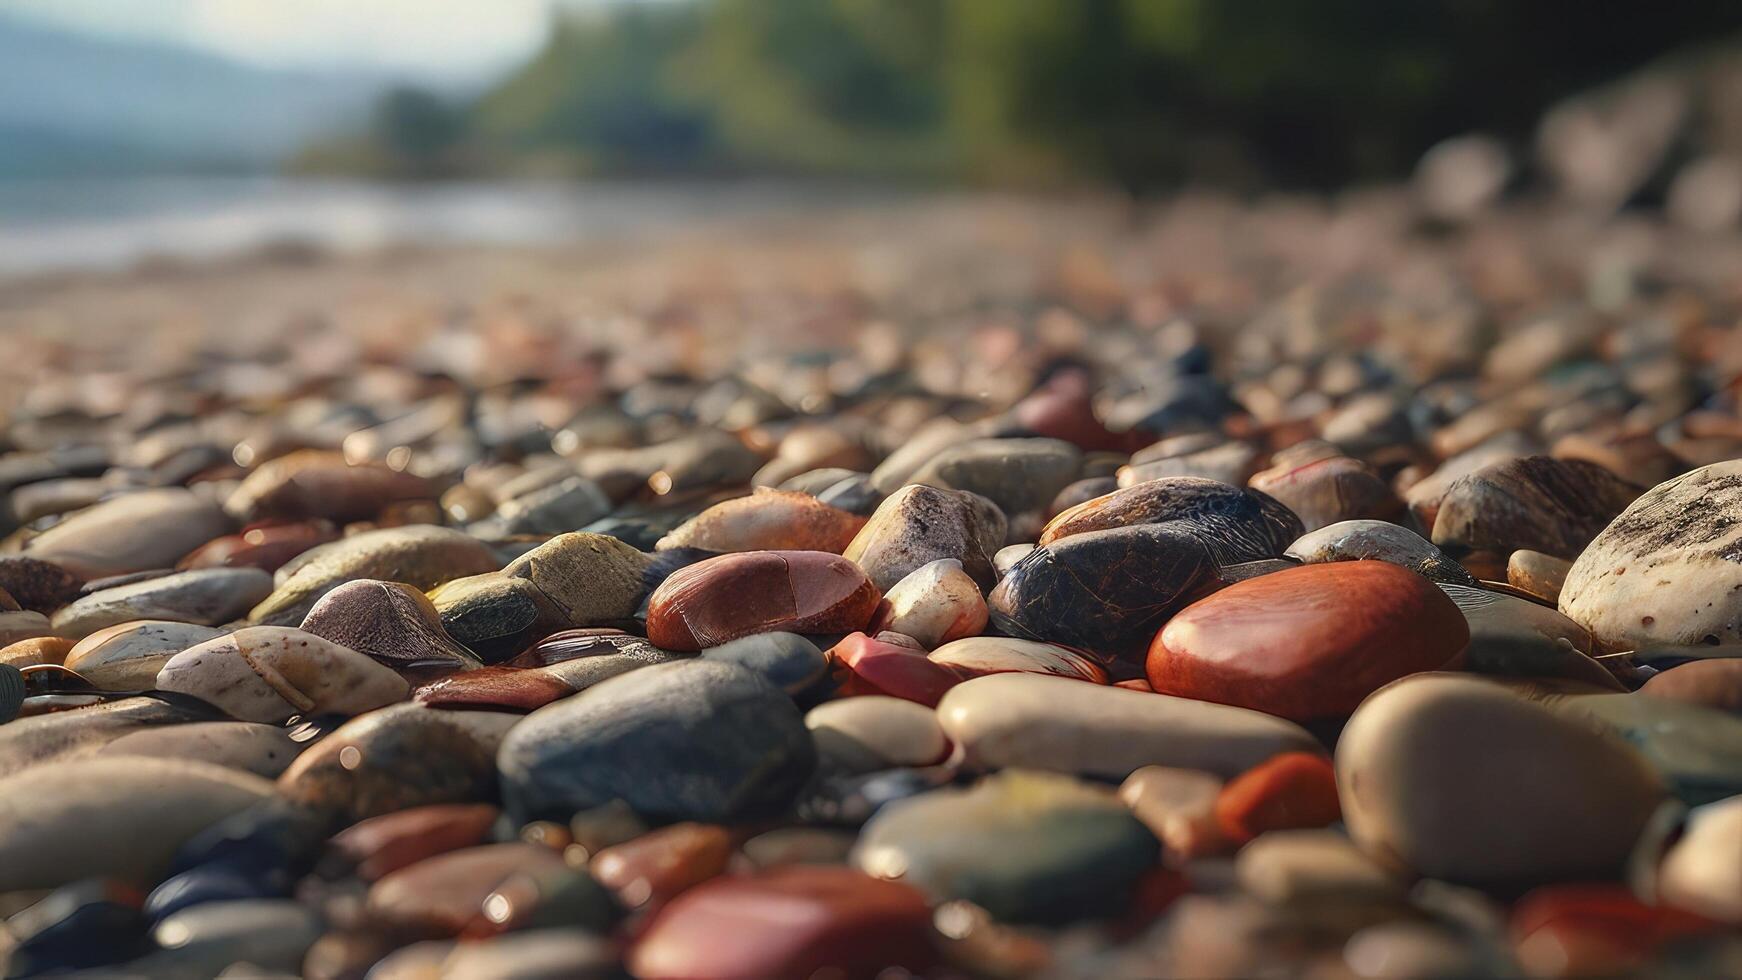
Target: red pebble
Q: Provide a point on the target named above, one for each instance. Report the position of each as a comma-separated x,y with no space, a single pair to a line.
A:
1286,792
382,845
1595,930
1310,642
724,598
790,923
875,667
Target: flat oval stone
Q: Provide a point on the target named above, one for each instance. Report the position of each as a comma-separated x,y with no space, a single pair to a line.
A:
207,940
1235,524
694,740
382,845
1040,722
786,660
1456,778
916,525
420,556
27,742
36,650
121,817
1025,846
721,599
935,604
792,922
128,657
399,757
23,625
1668,570
1009,556
592,579
266,547
393,623
1364,540
314,483
1712,683
264,750
978,656
131,533
864,734
37,585
1555,506
1310,642
270,673
1306,866
1104,591
1696,750
206,597
767,520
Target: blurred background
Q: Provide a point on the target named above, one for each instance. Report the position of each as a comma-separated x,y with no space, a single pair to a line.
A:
132,128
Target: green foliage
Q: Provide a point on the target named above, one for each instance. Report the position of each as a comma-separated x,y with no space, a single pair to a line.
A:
1138,92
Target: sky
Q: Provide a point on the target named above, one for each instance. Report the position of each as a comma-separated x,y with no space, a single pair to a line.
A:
427,38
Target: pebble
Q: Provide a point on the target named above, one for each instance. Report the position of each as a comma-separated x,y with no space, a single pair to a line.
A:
1307,866
23,625
130,533
37,585
267,936
865,734
1329,490
1699,871
935,604
1037,722
1666,569
1310,642
486,888
875,665
1289,791
591,579
1020,476
1538,574
27,742
1434,777
786,660
793,922
917,525
1539,503
541,954
314,483
378,846
1179,808
1695,749
36,650
264,750
721,599
978,656
1712,683
1236,525
420,556
59,823
693,740
399,757
205,597
570,503
266,546
1028,847
1515,637
1369,540
1106,592
1007,557
651,870
393,623
271,673
494,617
767,520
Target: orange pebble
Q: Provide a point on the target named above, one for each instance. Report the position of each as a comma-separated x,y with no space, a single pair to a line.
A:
1594,929
1288,791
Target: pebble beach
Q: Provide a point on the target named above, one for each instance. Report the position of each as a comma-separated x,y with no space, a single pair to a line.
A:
945,586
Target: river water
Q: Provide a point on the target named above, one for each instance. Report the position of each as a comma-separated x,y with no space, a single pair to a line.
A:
57,225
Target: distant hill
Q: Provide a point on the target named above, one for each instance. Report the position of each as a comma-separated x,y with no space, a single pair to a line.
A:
71,104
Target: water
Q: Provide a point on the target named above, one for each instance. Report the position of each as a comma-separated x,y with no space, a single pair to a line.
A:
56,225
